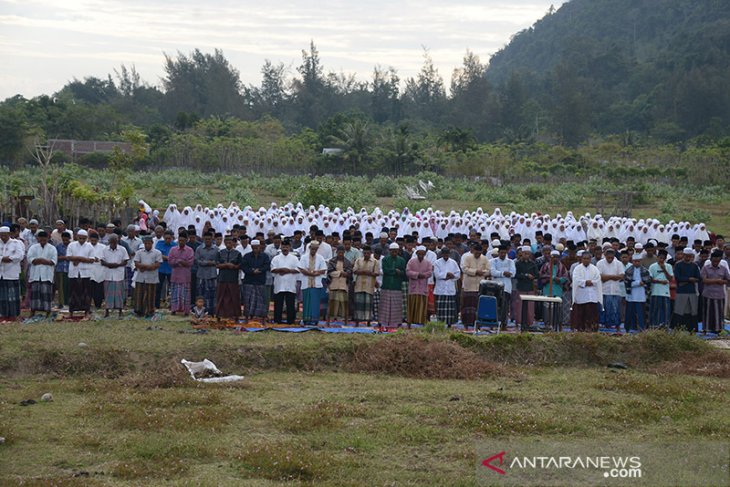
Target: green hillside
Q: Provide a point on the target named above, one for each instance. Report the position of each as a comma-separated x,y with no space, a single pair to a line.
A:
608,66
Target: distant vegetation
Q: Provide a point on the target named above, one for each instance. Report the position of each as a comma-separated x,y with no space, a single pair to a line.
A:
637,83
612,95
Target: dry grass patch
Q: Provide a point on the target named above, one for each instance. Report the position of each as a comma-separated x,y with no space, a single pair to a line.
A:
419,357
715,363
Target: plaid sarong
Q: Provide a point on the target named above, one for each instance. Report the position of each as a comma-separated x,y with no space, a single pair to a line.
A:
41,295
390,311
80,294
376,304
180,297
254,300
311,305
660,311
446,308
206,288
115,293
712,310
469,302
404,291
228,300
337,307
144,298
363,303
60,283
9,298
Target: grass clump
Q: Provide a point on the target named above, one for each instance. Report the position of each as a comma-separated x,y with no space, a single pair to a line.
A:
418,357
282,461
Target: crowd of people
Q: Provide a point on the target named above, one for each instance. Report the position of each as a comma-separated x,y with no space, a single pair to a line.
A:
395,268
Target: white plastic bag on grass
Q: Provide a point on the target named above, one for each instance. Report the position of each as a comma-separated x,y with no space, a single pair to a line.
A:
206,371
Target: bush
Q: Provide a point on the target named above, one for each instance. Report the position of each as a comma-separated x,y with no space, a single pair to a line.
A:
326,191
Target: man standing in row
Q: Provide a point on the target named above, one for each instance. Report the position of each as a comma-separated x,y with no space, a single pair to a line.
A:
587,295
80,255
284,269
114,260
147,261
446,272
419,270
42,257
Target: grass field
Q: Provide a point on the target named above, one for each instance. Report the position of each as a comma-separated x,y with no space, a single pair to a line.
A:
322,409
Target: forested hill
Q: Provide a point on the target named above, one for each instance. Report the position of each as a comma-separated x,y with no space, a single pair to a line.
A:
657,66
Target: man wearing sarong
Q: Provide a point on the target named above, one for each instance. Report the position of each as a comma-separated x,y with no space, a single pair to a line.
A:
114,261
502,270
60,278
686,302
339,270
612,277
285,272
390,310
42,258
146,262
446,273
206,257
255,265
80,255
181,259
587,295
526,274
418,271
164,245
638,282
97,270
313,267
228,295
714,277
475,268
660,306
134,244
366,270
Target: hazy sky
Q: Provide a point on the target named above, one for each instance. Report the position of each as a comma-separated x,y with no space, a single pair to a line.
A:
46,43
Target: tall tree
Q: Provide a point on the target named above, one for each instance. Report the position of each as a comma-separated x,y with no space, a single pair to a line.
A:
310,91
425,95
384,101
270,96
205,84
472,101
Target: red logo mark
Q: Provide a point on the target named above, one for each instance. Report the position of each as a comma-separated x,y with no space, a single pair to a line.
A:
488,462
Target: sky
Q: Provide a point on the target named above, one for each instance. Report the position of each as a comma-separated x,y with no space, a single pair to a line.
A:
46,43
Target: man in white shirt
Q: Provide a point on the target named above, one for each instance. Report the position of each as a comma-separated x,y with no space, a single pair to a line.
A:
313,267
446,273
97,270
42,258
587,295
135,244
114,262
12,253
503,270
80,255
284,269
612,277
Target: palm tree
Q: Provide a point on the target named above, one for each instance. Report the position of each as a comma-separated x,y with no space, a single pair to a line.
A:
355,140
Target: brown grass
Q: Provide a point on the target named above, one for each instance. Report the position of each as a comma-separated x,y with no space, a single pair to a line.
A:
711,364
418,357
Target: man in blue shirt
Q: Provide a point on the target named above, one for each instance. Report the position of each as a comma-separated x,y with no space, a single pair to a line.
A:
165,271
